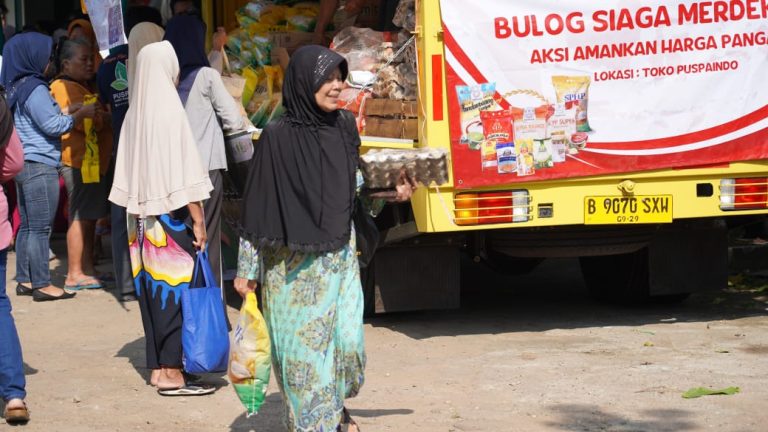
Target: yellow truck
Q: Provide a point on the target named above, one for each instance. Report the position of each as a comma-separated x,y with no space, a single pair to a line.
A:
625,135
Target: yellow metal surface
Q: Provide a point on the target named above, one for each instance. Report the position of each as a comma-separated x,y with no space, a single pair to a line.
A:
567,196
433,207
378,143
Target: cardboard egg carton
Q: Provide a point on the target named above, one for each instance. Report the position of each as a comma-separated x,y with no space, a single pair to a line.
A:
381,168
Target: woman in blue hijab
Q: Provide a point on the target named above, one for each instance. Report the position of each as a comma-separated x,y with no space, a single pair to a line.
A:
40,124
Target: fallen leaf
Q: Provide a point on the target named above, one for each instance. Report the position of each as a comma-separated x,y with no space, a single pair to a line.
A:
648,344
701,391
645,331
722,351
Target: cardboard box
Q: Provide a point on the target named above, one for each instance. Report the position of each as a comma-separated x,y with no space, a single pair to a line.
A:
391,108
290,40
391,128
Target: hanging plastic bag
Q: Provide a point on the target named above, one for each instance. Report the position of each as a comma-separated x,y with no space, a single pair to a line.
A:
250,356
107,20
90,167
204,334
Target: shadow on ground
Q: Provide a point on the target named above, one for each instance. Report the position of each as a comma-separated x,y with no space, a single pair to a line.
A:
554,296
135,353
588,418
271,415
29,370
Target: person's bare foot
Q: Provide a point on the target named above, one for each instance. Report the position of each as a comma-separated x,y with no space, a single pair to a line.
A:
154,377
170,378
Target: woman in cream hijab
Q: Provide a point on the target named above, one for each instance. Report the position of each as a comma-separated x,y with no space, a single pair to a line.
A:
160,180
142,34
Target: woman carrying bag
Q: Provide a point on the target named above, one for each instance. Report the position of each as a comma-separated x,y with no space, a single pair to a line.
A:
298,241
160,180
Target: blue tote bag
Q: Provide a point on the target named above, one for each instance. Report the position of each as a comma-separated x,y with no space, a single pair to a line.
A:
204,333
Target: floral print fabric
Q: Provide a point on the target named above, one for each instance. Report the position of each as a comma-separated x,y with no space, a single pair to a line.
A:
313,306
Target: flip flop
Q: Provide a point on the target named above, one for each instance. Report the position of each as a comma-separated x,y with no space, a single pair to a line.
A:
82,285
188,390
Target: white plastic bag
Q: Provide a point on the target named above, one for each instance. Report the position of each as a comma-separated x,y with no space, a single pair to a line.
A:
107,20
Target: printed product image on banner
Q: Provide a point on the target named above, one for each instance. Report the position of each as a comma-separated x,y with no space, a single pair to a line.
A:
473,99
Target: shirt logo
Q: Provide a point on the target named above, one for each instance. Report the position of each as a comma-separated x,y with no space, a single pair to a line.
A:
121,77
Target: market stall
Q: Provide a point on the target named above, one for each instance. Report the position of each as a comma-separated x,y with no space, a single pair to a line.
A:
381,89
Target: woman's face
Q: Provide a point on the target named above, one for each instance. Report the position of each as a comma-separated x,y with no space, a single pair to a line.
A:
80,66
327,98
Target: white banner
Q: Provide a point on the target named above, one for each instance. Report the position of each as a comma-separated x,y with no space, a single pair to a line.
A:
662,77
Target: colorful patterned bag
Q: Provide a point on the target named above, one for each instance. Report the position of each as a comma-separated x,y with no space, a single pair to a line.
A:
250,356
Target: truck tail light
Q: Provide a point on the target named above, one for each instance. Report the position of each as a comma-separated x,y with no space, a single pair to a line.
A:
478,208
744,193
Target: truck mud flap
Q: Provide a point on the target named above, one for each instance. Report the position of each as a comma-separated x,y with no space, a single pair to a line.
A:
408,278
688,257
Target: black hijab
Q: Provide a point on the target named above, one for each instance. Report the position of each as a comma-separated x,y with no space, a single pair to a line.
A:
187,35
301,183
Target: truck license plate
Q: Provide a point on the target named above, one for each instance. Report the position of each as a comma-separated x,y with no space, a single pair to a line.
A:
600,210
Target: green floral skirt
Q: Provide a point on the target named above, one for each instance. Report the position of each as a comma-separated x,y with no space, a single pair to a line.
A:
313,305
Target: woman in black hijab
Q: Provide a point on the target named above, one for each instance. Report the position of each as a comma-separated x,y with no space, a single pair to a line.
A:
298,243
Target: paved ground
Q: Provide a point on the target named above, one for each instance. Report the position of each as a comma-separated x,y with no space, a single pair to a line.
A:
523,354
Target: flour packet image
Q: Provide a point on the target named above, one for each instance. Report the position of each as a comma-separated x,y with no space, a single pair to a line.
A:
561,126
507,158
542,153
573,92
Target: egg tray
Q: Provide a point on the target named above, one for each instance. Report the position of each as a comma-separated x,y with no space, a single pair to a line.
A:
381,168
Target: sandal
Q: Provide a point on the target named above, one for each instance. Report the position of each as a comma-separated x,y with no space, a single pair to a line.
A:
18,415
347,423
87,282
188,390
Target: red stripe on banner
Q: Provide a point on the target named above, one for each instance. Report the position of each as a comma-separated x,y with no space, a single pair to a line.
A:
437,87
692,137
467,64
